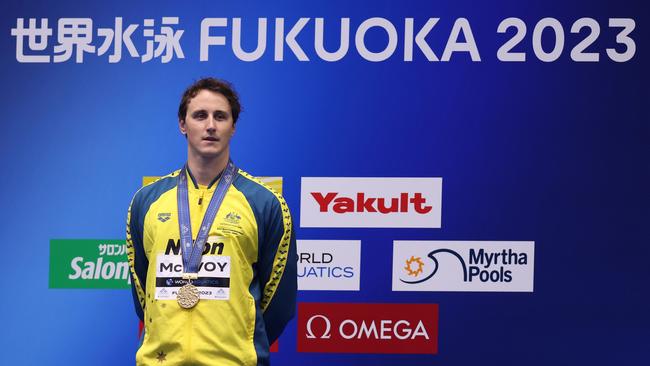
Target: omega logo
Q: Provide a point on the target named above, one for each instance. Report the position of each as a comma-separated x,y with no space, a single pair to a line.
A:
383,329
328,326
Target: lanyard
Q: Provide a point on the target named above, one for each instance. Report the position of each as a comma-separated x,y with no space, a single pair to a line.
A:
192,251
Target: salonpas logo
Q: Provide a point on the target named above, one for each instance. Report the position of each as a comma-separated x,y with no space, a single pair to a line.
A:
88,263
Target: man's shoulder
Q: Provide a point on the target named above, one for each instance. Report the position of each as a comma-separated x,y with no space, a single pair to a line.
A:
257,192
150,192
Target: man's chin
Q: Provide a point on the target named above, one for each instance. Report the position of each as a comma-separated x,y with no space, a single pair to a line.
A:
209,154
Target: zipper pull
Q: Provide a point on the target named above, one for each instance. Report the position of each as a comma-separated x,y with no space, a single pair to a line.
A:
200,200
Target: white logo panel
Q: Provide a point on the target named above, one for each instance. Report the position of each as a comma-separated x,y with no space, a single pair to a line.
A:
328,264
371,202
481,266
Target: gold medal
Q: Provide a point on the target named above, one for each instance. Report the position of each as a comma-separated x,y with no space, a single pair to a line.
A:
188,296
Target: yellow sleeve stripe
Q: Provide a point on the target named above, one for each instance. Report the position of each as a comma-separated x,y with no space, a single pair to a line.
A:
130,252
281,255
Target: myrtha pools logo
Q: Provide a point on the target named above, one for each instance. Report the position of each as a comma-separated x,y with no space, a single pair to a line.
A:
463,266
415,266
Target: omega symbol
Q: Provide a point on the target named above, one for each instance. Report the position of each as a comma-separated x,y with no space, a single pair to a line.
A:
328,325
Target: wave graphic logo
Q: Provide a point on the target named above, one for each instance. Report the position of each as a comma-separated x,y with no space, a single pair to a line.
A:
472,266
415,266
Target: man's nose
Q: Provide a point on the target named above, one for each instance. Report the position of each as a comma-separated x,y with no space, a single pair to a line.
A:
212,124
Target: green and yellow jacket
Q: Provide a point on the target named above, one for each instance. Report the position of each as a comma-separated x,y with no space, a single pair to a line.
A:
247,277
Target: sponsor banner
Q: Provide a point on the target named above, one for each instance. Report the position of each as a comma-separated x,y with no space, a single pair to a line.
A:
483,266
371,202
90,263
368,328
328,264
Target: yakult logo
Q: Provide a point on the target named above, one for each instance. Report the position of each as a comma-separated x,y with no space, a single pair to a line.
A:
463,266
361,203
371,202
367,328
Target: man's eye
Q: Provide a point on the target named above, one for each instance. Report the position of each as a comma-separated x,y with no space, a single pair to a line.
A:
220,116
200,115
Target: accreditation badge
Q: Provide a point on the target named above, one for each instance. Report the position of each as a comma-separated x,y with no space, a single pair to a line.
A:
212,282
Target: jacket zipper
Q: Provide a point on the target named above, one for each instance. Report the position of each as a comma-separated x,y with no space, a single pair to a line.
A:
190,327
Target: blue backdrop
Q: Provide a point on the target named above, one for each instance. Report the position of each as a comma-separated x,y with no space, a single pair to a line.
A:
552,152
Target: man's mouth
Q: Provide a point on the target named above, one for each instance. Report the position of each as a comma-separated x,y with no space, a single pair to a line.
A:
210,138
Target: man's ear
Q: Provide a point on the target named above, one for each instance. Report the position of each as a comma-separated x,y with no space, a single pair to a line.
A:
182,127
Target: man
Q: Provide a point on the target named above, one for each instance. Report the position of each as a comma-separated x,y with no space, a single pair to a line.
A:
211,249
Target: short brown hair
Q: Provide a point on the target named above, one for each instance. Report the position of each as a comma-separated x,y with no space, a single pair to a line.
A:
215,85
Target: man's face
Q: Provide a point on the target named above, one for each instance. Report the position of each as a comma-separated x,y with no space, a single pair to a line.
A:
208,124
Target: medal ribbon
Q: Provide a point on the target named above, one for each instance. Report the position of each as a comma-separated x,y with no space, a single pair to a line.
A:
192,250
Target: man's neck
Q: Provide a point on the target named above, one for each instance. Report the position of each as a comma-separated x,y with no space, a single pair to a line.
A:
205,170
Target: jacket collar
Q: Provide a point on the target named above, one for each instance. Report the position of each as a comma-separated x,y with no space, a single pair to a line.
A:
212,184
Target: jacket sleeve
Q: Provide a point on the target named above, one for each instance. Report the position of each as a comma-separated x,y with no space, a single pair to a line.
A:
278,263
138,262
